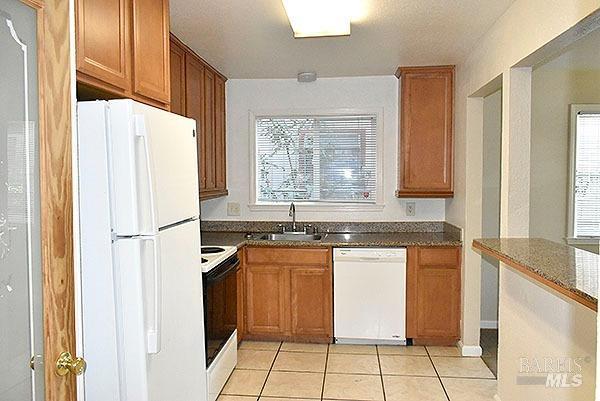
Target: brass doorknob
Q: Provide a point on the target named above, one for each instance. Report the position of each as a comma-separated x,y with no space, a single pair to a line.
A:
66,364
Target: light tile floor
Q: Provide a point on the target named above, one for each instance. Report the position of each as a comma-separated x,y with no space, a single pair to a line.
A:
273,371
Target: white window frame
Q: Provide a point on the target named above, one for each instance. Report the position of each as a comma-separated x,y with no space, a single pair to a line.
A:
316,206
575,110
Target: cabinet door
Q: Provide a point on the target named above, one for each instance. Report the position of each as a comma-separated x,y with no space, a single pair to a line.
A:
241,288
220,136
433,293
103,43
438,300
266,302
151,49
177,79
209,128
311,310
426,148
194,107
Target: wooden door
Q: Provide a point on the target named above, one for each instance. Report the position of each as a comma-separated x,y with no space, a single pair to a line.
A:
220,139
103,37
426,132
266,301
194,107
434,293
151,75
35,119
177,78
209,129
311,305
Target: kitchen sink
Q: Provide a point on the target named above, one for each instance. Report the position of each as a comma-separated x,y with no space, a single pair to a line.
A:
291,237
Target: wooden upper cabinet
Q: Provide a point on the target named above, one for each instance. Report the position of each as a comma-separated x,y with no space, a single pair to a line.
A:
177,79
104,43
123,50
194,107
209,129
220,137
151,49
426,132
433,295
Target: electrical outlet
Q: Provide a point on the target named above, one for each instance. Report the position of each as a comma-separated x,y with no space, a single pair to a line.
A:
233,209
411,208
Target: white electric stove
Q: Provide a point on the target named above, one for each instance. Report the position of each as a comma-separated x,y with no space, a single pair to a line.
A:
219,266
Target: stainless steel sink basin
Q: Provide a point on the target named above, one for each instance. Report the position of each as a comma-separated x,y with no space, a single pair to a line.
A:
291,237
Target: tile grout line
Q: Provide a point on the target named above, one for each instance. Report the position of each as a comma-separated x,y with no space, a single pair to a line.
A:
437,374
270,369
380,373
325,373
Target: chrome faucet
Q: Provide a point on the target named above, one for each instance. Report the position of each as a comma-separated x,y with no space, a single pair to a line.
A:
292,214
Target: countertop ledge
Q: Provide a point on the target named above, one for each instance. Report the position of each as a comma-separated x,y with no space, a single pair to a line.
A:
339,240
572,272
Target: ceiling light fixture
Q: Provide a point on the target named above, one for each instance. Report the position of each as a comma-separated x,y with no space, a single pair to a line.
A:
314,18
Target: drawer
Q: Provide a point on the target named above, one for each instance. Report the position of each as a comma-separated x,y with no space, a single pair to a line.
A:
439,257
288,256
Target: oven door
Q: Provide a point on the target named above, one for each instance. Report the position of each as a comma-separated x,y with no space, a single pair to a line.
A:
220,306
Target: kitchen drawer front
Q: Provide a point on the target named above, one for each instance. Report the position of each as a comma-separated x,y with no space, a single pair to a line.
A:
447,257
288,256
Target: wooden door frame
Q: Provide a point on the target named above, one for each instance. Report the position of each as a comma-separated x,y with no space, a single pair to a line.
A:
56,191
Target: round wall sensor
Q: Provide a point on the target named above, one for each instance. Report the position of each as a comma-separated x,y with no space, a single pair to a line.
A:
307,77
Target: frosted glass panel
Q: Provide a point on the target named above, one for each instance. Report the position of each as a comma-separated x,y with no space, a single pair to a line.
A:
20,266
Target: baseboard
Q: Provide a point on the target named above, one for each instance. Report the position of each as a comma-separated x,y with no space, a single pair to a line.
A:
489,324
469,350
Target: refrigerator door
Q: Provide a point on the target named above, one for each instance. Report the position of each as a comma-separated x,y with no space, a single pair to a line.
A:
144,320
178,371
153,168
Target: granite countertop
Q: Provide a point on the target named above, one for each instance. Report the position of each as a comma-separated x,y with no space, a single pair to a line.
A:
385,239
571,271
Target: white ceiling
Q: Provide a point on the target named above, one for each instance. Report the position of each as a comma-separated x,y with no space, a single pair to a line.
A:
253,38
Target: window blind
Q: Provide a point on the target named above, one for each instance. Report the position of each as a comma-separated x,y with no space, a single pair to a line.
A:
316,159
587,176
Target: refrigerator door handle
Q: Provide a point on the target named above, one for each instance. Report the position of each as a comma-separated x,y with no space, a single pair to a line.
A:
153,332
140,131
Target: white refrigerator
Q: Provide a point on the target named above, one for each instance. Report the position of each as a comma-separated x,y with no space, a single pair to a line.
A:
141,280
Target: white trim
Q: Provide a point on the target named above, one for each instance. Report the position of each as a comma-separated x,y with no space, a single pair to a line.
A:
317,206
583,241
488,324
469,350
574,110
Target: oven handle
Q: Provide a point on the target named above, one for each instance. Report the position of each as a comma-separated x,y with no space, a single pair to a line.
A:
212,279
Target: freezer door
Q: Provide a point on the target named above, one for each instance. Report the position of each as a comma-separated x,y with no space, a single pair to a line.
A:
153,168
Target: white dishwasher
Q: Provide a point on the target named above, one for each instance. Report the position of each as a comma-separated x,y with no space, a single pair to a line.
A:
369,295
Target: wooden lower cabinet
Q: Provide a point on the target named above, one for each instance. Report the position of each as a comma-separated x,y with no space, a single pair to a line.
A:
433,295
288,294
266,301
311,302
240,280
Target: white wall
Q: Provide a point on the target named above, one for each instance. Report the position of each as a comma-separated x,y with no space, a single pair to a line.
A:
492,134
527,26
573,77
269,95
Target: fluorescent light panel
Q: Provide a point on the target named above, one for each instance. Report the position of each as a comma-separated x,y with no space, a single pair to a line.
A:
313,18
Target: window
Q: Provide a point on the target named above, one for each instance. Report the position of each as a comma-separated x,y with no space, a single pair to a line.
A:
316,158
585,172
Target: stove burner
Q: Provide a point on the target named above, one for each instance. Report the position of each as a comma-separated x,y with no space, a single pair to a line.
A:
204,260
207,250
